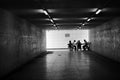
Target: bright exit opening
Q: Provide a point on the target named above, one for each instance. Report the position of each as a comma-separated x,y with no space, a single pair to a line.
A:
60,38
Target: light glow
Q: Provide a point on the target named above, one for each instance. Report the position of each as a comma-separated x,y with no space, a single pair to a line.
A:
83,24
98,11
42,11
45,12
89,19
51,20
54,25
57,38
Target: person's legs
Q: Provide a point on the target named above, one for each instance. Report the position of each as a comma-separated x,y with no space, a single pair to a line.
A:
74,48
84,47
88,48
71,47
78,47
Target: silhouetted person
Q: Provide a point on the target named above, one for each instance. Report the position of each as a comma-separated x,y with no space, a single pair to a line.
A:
74,45
70,45
79,45
85,46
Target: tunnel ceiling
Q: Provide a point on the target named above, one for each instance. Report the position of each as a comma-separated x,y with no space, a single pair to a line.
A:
65,14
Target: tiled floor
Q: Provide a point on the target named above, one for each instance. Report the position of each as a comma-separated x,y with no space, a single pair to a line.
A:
66,65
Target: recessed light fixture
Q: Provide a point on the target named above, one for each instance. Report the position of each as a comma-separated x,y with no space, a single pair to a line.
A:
88,19
83,24
45,12
51,20
98,11
54,25
57,19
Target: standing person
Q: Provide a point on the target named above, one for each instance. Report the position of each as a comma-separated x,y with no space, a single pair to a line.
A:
70,45
74,45
85,46
79,45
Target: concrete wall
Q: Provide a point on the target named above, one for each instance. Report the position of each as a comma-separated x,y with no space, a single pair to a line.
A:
105,39
20,41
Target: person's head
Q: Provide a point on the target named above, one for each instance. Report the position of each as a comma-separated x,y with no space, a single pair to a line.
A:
69,41
85,40
74,40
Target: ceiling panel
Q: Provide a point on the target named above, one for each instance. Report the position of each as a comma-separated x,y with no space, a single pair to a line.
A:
66,14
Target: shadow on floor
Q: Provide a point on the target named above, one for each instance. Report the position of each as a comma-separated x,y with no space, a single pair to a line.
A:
43,54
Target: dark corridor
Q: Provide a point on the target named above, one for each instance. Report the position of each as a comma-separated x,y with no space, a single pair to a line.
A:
23,26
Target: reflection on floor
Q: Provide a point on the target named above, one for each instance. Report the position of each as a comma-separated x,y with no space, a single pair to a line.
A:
66,65
58,49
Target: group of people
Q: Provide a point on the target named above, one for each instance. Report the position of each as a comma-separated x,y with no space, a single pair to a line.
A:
75,46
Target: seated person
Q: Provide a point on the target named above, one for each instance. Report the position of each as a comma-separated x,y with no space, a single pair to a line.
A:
74,45
86,45
79,45
70,45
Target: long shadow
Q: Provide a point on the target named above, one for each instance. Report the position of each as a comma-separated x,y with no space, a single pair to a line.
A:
104,60
43,54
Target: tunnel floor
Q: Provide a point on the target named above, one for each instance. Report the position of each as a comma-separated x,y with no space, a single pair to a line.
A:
66,65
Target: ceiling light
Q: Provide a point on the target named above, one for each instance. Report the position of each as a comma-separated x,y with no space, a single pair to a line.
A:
54,25
51,20
89,19
98,11
93,9
83,24
51,10
45,12
40,10
57,18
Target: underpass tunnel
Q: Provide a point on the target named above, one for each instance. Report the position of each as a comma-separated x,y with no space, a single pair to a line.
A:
24,36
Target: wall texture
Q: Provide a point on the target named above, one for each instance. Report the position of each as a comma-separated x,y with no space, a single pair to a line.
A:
20,41
105,39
